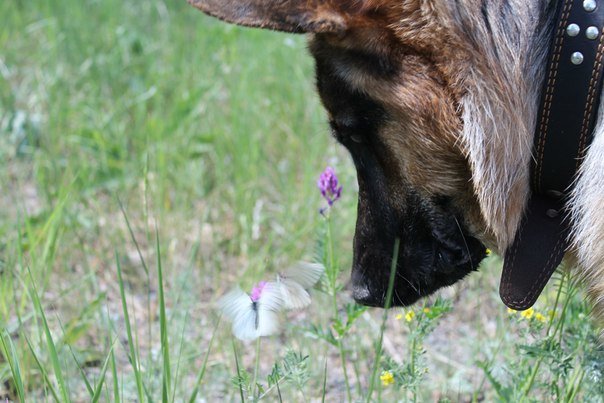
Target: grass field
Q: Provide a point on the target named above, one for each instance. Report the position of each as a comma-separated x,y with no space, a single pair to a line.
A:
152,159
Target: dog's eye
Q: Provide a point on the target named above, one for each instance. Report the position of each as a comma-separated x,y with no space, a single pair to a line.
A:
345,132
356,138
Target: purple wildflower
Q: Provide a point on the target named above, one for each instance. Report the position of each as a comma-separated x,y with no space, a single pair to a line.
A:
328,185
257,291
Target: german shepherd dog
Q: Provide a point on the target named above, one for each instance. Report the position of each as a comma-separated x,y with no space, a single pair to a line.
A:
436,101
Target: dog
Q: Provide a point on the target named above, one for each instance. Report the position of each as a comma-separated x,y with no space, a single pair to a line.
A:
436,101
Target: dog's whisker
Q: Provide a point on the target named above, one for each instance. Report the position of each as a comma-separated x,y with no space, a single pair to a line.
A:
408,282
398,297
463,237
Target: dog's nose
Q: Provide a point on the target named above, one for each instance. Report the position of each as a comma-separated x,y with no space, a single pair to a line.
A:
362,295
361,292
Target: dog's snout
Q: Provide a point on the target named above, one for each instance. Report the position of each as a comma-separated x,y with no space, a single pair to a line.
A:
362,295
361,291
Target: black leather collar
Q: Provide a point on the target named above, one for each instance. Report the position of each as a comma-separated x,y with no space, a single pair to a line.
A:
569,106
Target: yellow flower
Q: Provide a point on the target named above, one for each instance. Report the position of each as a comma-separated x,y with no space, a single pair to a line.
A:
399,316
409,316
387,378
488,251
540,317
426,310
512,311
528,313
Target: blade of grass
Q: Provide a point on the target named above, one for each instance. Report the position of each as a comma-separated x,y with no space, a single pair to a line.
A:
49,230
324,382
378,349
9,352
576,385
99,386
84,376
147,393
131,232
116,386
180,345
255,391
42,369
202,371
570,290
163,328
238,371
146,269
82,373
52,350
332,270
133,356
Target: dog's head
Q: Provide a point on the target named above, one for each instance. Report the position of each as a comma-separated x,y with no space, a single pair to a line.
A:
392,77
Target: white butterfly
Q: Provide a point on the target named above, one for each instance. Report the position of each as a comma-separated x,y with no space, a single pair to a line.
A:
293,283
253,315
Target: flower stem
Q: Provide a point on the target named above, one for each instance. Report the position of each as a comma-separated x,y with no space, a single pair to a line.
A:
413,350
343,358
255,390
333,276
387,303
238,371
333,272
549,327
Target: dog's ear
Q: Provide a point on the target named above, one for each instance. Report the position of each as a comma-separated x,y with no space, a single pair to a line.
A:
297,16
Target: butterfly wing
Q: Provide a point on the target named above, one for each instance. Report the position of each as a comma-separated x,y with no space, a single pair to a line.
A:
239,309
252,319
234,303
245,325
269,304
304,273
268,322
294,282
293,294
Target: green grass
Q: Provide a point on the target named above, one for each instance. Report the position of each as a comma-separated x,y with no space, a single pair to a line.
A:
153,158
9,353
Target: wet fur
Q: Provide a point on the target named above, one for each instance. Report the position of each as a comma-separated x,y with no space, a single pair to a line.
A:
460,80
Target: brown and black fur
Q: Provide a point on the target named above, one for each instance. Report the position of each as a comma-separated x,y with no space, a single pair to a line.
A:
436,101
396,200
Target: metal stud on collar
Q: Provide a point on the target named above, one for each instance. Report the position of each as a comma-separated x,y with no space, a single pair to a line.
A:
573,30
576,58
589,5
592,32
